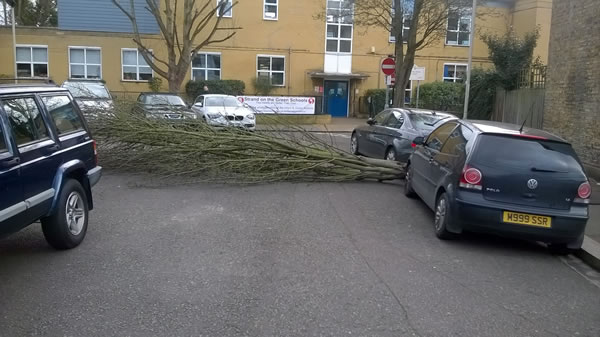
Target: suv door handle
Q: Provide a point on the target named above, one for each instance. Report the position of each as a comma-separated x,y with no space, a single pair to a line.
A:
11,162
53,148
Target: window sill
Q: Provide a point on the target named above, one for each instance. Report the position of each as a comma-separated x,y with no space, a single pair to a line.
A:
457,45
267,19
134,81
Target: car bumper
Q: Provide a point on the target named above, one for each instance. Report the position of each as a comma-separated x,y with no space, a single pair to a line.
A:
478,214
244,124
94,175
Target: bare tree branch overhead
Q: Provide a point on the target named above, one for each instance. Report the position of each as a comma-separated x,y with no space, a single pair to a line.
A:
186,29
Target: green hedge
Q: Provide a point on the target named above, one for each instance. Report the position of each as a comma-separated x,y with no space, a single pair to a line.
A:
226,87
378,99
442,96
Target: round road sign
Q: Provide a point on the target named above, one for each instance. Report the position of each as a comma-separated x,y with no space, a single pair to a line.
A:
388,66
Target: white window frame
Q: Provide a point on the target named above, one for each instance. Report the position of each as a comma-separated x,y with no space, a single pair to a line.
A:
229,2
206,68
137,66
31,63
271,71
405,31
85,64
276,4
465,16
444,78
339,22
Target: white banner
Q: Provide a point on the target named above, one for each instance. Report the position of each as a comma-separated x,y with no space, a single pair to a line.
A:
280,104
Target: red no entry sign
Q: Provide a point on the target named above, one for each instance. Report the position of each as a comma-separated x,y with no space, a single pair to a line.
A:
388,66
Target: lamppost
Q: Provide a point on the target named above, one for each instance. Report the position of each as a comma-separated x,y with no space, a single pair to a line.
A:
470,63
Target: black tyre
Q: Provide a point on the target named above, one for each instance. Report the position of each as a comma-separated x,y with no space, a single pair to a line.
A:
560,249
443,217
66,228
408,190
354,144
390,154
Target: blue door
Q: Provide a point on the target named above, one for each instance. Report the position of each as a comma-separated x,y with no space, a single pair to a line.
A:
11,191
336,98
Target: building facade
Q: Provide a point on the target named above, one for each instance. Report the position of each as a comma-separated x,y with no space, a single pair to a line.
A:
572,86
301,51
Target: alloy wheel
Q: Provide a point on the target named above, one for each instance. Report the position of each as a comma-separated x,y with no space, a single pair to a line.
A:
440,214
75,213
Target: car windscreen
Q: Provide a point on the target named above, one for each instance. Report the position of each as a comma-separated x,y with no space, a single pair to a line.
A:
163,100
87,90
525,153
228,101
426,122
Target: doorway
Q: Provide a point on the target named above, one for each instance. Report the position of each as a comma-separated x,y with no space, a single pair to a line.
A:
335,98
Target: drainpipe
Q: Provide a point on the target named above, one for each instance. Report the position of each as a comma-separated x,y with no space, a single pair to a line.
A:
14,38
470,64
290,68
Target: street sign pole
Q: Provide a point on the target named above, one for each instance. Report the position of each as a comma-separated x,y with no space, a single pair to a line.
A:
418,89
470,63
387,95
388,67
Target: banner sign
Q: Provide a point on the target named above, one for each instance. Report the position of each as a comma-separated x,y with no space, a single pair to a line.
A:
280,104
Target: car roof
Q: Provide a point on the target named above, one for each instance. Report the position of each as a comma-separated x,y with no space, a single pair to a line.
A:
216,95
414,111
159,93
13,89
500,128
84,82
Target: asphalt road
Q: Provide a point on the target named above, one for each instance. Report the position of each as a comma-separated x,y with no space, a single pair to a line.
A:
353,259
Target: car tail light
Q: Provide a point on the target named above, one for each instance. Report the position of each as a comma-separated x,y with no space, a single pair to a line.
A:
471,178
584,191
413,145
95,152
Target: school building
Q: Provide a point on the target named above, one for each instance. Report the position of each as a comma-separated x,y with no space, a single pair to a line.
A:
302,51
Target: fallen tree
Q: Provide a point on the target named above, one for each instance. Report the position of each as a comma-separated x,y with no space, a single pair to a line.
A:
196,151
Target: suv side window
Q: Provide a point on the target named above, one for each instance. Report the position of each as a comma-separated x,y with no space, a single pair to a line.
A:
26,120
457,141
437,138
63,113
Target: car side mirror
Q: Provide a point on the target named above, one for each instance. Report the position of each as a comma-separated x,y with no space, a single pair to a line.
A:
418,141
198,104
371,121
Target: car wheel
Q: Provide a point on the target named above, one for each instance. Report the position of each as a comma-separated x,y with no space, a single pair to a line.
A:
408,190
443,216
354,144
390,154
66,228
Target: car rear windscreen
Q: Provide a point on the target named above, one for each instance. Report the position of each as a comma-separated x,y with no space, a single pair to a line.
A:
525,153
426,122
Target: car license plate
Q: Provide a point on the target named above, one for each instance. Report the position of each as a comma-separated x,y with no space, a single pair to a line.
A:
527,219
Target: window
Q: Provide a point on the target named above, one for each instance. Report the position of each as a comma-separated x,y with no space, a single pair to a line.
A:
272,67
85,63
32,61
339,26
26,120
225,9
62,113
457,142
382,117
395,121
3,147
206,66
271,10
455,72
439,136
135,67
405,29
459,28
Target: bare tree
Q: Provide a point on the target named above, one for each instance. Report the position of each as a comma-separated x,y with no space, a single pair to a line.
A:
200,26
414,24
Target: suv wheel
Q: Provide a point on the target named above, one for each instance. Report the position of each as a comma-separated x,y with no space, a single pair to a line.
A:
408,190
443,216
66,228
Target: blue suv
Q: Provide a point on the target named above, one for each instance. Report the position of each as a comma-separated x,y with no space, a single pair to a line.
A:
48,164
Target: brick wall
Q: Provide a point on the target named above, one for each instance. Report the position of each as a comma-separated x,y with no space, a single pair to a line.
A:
572,106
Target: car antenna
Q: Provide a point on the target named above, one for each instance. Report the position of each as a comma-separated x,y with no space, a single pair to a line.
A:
525,121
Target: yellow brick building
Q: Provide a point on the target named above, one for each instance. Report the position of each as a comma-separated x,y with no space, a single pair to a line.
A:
283,39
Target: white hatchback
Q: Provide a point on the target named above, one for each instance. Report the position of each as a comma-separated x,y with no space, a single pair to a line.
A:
224,110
